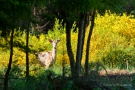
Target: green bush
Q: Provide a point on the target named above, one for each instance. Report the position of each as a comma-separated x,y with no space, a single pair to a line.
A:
111,43
119,59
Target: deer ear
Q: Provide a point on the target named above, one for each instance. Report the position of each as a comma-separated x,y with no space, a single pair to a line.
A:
50,40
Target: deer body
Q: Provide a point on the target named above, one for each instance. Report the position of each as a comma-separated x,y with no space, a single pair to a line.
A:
48,58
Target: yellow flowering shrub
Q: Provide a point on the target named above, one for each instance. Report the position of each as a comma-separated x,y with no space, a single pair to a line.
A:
111,32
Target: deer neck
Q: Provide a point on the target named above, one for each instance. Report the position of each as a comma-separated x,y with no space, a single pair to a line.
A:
54,53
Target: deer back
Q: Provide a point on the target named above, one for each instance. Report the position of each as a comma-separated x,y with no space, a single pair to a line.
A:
44,58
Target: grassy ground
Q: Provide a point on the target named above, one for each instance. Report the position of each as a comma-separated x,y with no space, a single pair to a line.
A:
43,80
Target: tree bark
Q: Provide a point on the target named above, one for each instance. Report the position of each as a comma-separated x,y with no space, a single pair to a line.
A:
10,62
27,51
88,41
81,36
69,48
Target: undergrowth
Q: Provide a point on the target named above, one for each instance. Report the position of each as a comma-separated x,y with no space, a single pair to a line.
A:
112,45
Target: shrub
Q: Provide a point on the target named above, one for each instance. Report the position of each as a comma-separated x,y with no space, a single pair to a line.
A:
113,34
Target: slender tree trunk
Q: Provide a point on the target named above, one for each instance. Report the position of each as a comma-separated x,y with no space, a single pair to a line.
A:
88,41
10,62
27,52
69,48
81,36
27,57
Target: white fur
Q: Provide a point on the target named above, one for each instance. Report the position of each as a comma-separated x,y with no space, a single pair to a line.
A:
48,58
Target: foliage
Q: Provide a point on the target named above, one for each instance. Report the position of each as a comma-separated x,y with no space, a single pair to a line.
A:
111,35
109,43
109,46
118,59
81,12
14,13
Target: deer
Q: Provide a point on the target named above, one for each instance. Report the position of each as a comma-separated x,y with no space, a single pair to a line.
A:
48,58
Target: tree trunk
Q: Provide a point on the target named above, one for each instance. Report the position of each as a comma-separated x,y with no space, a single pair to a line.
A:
69,48
88,41
27,52
27,56
81,36
10,62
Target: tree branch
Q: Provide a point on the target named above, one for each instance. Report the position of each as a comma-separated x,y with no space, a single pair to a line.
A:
40,27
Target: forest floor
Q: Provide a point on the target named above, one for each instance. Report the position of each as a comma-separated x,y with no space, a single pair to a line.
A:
96,80
123,79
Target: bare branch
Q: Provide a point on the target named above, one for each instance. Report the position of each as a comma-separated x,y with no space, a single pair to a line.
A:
40,27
